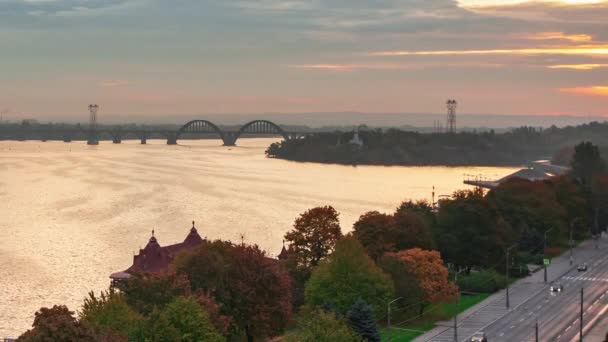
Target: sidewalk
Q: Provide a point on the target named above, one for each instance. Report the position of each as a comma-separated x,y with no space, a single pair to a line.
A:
599,331
493,308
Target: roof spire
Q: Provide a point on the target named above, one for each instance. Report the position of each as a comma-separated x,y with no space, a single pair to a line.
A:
152,232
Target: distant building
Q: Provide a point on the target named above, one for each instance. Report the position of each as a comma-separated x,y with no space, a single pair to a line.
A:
156,259
532,174
284,255
356,140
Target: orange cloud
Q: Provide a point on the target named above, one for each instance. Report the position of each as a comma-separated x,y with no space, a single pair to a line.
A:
113,83
577,66
583,50
590,91
350,67
578,38
353,67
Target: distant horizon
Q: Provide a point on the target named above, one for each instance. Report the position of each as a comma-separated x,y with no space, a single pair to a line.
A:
320,119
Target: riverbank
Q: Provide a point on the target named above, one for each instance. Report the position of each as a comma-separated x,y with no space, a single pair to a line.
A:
394,147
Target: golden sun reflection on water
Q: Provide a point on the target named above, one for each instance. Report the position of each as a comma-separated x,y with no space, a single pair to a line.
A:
72,214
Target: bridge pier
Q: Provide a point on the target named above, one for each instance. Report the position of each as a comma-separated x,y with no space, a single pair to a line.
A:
172,138
229,139
92,139
143,141
116,140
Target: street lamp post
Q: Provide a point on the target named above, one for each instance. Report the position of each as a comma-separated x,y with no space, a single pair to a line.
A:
580,332
544,252
508,250
571,242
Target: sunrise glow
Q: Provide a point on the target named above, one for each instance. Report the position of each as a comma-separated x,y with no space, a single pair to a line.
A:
590,50
578,66
489,3
591,91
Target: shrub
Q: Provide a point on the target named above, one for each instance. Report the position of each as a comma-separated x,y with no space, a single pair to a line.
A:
487,281
321,326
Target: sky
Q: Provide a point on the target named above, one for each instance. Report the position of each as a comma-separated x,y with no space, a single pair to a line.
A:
161,57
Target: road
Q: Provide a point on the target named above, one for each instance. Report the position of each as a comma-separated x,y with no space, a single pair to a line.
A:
558,314
531,301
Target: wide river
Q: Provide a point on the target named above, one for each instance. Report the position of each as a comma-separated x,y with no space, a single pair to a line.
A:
71,214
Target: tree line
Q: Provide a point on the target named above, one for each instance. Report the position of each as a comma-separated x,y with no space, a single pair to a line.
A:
395,147
332,286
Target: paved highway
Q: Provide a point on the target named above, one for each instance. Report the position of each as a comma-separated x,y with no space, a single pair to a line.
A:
531,301
558,313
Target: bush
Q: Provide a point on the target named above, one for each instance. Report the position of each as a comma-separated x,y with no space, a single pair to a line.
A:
487,281
320,326
529,258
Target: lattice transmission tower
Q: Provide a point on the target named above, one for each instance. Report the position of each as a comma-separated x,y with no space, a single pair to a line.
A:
451,120
93,140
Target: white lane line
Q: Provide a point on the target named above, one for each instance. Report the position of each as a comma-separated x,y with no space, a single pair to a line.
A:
521,320
569,327
512,327
501,334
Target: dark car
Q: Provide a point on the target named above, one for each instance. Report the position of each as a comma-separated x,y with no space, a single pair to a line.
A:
556,288
479,337
582,268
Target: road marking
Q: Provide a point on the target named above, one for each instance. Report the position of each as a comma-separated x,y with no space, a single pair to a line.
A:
501,334
521,320
569,327
512,327
540,306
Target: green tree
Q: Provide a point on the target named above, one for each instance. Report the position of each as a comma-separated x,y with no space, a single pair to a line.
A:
109,314
376,233
412,231
471,232
408,227
422,208
320,326
586,162
314,235
57,324
361,320
252,289
146,292
347,275
191,322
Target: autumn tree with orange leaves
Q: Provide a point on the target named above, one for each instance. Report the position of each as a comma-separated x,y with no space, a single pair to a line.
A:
314,235
420,277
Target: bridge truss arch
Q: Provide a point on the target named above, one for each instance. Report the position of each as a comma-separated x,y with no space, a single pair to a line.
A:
200,126
261,127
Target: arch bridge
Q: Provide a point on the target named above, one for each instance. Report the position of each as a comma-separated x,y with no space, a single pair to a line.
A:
118,133
256,127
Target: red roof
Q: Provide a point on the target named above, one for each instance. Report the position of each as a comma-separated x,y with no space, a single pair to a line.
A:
156,259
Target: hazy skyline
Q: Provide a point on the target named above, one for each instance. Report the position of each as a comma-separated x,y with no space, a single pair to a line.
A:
150,57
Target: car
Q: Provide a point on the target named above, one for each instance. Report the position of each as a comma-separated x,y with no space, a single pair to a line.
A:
556,288
582,268
479,336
